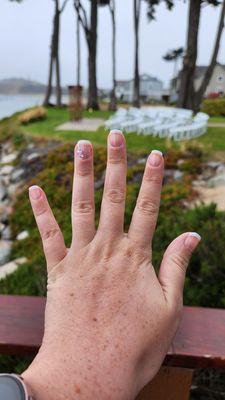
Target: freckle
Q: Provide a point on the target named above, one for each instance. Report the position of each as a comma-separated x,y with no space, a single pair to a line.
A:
77,389
71,294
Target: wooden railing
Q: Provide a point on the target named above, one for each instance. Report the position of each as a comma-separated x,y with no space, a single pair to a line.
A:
199,343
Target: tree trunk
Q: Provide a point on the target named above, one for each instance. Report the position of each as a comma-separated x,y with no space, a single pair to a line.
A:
52,60
78,51
136,100
92,49
197,99
187,75
58,83
49,87
112,104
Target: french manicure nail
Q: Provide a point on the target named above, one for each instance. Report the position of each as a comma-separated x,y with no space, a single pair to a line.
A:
155,158
189,242
116,138
84,149
35,192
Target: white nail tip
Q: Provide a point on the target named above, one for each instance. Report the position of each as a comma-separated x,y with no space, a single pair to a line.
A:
80,142
195,234
116,131
157,152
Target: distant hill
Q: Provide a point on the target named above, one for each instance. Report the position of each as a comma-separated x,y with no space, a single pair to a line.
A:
22,86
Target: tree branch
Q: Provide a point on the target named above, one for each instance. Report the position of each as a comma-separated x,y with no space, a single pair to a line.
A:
212,64
82,18
63,6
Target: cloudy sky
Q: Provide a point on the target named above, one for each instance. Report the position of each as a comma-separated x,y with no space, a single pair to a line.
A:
26,28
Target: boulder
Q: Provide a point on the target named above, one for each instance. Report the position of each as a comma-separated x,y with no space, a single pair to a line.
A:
218,180
178,175
6,170
3,191
6,233
22,235
5,249
9,158
11,267
17,175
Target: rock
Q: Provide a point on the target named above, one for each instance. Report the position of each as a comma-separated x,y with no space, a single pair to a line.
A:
22,235
3,191
2,227
32,156
178,175
6,170
11,267
5,249
199,183
220,169
12,189
17,175
3,213
142,160
218,180
9,158
213,164
180,162
6,233
99,184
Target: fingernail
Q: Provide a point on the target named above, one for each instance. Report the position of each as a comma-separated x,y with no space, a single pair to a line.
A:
35,192
190,240
155,158
84,149
116,138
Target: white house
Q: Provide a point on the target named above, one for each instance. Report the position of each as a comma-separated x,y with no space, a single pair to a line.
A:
151,88
216,84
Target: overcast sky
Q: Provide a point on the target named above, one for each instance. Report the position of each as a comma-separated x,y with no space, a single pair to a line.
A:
26,29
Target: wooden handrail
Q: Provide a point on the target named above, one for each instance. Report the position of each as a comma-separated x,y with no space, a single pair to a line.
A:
199,343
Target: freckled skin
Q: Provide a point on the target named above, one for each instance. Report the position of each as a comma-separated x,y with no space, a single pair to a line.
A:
109,319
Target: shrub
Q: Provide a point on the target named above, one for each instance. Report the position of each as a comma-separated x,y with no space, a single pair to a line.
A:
36,114
214,107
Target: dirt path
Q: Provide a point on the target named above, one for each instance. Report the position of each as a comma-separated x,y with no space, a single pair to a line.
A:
216,124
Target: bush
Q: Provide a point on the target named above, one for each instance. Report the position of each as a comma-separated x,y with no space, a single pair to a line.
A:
36,114
214,107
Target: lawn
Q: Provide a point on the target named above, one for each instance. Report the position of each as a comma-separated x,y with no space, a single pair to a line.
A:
213,141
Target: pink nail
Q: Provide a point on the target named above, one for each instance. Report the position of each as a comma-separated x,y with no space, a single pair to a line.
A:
116,138
155,158
84,149
35,192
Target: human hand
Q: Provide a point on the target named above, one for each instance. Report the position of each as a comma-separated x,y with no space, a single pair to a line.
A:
109,318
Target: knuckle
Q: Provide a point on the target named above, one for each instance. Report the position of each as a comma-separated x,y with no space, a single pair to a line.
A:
155,179
50,233
181,261
83,207
115,195
40,211
84,168
147,207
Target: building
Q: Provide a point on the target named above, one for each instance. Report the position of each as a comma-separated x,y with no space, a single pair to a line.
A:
151,88
216,84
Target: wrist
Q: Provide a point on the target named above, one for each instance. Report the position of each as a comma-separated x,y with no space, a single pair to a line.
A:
58,384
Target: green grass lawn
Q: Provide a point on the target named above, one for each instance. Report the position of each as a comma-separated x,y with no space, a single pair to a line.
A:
213,141
217,119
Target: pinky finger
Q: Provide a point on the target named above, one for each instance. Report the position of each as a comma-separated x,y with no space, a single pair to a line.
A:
51,235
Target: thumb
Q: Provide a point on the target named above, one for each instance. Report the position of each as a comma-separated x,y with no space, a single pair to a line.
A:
174,265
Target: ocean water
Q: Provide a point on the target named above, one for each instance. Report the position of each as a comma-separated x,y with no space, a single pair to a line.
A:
9,104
